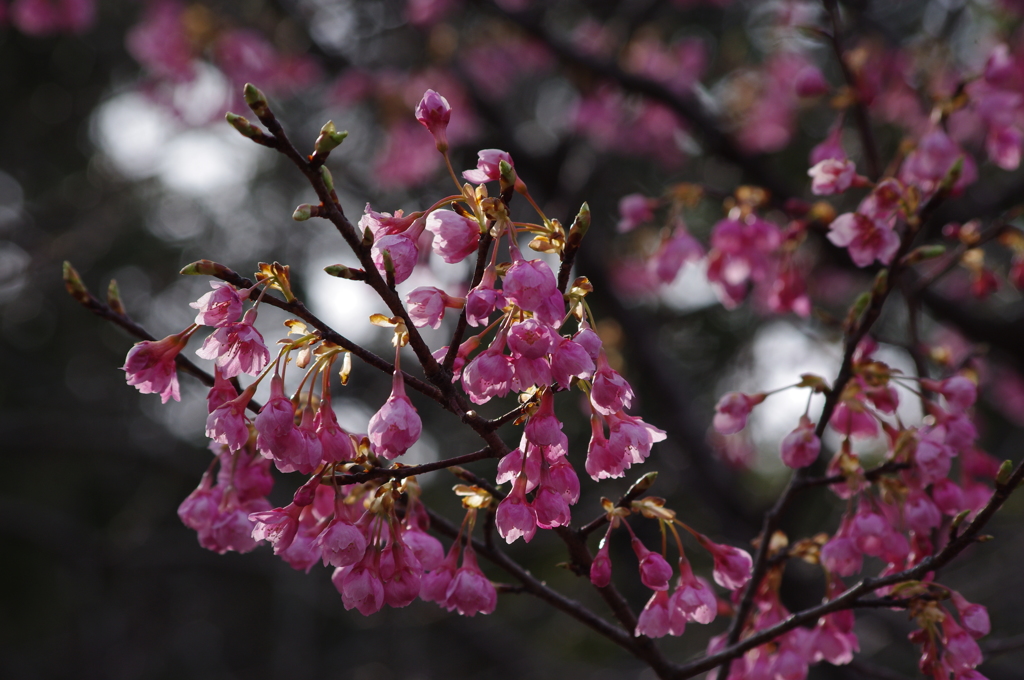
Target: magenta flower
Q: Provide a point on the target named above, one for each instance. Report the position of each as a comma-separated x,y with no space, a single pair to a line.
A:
201,507
427,549
402,575
455,237
603,461
568,361
335,443
403,251
531,339
396,426
674,252
974,617
928,164
237,347
561,477
544,428
693,596
841,555
659,619
741,252
588,340
435,112
529,372
515,517
920,513
632,438
610,392
655,571
866,239
228,425
488,375
601,567
385,224
434,586
852,418
800,447
360,585
960,392
219,307
551,508
529,283
487,166
732,565
222,391
469,591
634,210
150,365
277,526
832,176
962,652
275,423
484,299
732,411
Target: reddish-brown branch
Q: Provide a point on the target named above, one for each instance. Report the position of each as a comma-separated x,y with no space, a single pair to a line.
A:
409,471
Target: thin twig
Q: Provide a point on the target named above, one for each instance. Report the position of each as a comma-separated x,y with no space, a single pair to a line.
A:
409,471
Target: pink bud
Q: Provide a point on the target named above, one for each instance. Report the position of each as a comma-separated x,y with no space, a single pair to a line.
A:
655,571
801,447
732,565
487,166
435,112
732,411
973,616
601,567
403,251
832,176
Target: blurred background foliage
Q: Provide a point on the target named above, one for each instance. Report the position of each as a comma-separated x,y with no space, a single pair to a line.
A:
129,172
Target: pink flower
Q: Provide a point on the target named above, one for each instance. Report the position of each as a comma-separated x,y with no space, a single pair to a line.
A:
741,252
434,586
810,82
277,526
659,619
385,224
396,426
929,164
732,565
360,585
962,652
693,596
469,591
219,307
852,418
655,571
237,347
484,299
674,252
960,392
435,112
335,443
487,166
403,251
610,392
531,339
551,508
841,555
634,210
601,567
201,507
866,239
426,306
427,549
974,617
603,461
801,447
832,176
561,477
402,575
455,237
150,366
515,517
588,340
341,543
275,424
920,513
543,427
222,391
568,361
529,283
732,411
228,425
633,437
488,375
789,292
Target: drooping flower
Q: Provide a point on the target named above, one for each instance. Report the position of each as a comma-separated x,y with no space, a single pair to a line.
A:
732,565
335,442
237,347
150,365
484,299
515,517
396,426
360,585
488,375
732,411
800,447
659,619
610,392
228,425
601,567
655,571
470,592
277,526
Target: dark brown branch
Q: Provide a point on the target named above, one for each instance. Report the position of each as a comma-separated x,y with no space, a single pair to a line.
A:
409,471
482,253
104,311
871,475
860,111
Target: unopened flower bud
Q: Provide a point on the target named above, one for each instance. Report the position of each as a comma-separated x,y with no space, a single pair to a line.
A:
256,100
303,212
924,253
506,175
74,285
206,268
343,272
579,227
329,139
114,298
242,124
326,176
